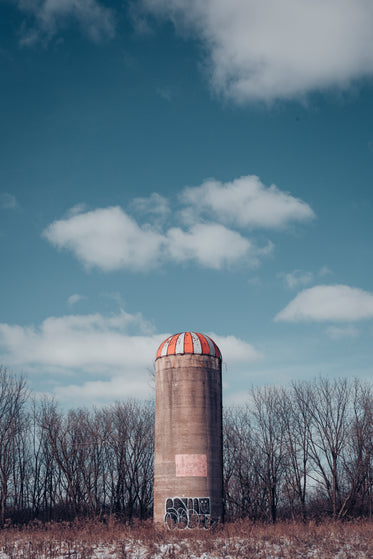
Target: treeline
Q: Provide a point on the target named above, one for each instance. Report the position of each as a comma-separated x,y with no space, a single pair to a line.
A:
61,465
301,451
297,452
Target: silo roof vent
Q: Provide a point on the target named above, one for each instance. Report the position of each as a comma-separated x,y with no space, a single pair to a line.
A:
188,342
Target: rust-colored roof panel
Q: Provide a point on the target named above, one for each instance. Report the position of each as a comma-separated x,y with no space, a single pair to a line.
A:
217,350
163,347
204,345
188,343
172,345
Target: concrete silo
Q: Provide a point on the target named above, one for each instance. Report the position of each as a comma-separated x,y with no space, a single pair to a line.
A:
188,463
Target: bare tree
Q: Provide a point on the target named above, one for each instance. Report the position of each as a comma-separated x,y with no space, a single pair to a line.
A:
244,491
268,427
358,452
13,396
296,422
326,402
131,442
305,449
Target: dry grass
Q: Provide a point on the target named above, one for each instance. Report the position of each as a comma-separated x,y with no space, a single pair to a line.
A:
239,540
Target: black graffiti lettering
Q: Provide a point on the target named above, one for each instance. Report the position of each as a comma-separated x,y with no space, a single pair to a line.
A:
188,512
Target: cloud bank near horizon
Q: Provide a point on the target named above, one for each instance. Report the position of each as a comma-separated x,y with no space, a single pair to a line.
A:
114,354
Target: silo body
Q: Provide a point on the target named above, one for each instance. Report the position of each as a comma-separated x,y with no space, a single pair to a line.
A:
188,464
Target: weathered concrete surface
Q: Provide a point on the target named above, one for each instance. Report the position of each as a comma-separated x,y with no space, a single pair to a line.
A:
188,431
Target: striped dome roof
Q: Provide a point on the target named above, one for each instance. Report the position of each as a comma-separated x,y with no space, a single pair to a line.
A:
188,342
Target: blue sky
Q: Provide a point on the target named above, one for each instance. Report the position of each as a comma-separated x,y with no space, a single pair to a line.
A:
171,165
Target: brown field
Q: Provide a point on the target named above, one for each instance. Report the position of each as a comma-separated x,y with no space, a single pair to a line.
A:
239,540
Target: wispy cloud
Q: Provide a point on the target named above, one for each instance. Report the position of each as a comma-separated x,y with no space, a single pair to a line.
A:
300,278
165,93
73,299
155,205
48,17
7,201
325,271
266,49
297,278
341,332
333,303
77,209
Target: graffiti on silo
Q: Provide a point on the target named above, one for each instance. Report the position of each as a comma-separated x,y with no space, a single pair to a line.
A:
184,512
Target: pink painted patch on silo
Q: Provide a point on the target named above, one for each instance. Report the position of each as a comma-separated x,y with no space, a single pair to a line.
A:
191,465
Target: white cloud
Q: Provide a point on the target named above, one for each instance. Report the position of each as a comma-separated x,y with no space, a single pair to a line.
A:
333,303
114,389
111,240
108,357
93,357
337,332
267,49
107,238
85,341
7,201
245,202
235,350
95,19
214,246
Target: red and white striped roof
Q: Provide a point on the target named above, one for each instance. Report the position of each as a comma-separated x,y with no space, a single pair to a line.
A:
188,342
